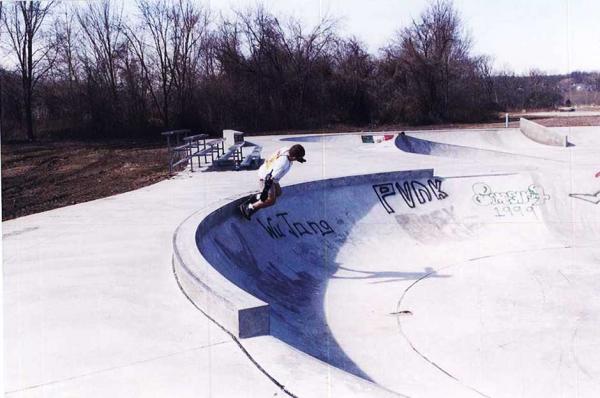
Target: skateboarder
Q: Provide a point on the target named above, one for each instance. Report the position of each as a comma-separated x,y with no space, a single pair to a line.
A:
269,174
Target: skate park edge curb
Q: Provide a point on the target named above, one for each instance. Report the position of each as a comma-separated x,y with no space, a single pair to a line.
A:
234,309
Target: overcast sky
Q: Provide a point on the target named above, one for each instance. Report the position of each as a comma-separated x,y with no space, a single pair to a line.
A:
556,36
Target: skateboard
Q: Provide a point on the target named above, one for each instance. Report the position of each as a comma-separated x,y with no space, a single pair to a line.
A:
249,200
253,198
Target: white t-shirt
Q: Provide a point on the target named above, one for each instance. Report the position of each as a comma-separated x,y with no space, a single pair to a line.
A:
278,163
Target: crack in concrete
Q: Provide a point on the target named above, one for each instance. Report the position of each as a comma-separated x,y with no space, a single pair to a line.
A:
33,387
234,338
399,303
412,346
19,232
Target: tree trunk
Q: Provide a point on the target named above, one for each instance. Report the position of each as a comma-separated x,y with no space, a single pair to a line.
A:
27,99
1,92
29,80
29,117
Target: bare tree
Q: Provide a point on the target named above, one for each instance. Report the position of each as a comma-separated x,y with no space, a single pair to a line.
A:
156,56
23,22
431,48
279,68
62,95
65,31
169,45
191,24
101,24
1,69
433,69
312,58
354,73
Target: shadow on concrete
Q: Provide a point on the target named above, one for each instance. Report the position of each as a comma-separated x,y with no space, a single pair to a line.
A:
389,276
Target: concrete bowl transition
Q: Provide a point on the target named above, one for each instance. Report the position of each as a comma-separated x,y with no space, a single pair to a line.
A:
269,275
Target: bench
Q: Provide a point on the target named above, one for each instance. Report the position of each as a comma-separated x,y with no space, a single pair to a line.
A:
187,151
177,151
178,155
212,148
194,146
253,159
234,153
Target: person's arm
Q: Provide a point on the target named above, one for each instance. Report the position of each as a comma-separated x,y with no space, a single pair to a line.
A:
280,167
268,183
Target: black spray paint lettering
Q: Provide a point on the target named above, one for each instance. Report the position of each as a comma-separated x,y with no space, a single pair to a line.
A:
421,192
314,226
383,191
290,228
436,188
295,228
411,192
273,231
301,229
406,194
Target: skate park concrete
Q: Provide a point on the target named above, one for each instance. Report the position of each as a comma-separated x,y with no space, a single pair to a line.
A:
483,284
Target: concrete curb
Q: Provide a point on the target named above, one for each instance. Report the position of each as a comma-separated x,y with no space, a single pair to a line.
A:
238,312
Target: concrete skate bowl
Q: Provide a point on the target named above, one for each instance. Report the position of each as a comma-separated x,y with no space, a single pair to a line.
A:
528,150
270,275
424,285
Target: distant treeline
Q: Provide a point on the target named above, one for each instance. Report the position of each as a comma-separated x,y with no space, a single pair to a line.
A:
88,70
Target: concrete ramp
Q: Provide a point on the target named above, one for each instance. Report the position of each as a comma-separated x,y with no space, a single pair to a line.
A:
269,275
540,134
420,146
483,146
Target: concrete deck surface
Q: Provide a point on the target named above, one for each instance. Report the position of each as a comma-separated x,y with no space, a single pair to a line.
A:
504,301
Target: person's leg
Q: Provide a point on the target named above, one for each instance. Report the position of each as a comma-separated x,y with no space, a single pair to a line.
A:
262,192
270,201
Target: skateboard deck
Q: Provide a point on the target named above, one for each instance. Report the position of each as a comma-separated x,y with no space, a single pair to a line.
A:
250,199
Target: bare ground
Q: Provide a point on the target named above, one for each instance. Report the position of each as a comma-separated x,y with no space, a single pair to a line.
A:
46,175
42,176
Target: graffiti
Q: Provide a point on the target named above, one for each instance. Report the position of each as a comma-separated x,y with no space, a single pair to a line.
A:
510,203
372,139
502,211
485,196
282,226
438,224
588,197
383,191
412,192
